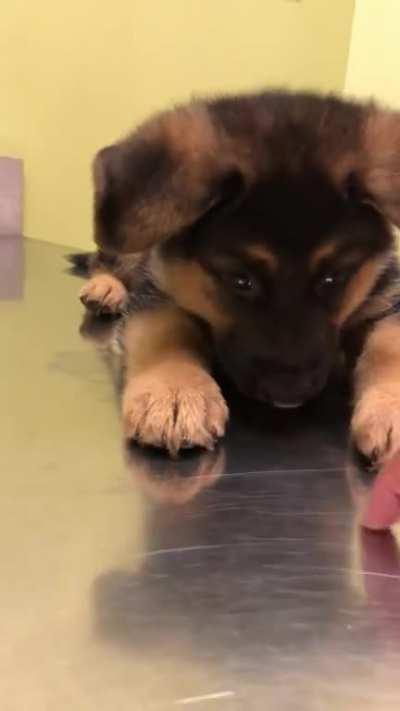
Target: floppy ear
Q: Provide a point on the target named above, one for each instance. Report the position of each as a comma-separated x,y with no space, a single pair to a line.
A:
161,179
380,161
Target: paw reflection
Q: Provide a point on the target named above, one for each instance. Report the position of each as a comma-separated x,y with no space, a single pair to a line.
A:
174,481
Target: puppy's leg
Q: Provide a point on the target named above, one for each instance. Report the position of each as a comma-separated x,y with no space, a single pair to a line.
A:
170,399
376,418
104,293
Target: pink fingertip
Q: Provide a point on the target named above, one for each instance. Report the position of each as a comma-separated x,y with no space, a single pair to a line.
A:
383,509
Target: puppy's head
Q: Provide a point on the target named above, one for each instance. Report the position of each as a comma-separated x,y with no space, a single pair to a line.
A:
267,218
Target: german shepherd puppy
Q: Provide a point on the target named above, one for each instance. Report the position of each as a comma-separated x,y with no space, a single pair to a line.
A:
259,227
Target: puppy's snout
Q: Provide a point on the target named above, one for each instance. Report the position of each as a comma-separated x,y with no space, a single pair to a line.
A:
287,385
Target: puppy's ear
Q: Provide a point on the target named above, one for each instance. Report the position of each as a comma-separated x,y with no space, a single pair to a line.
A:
162,179
380,161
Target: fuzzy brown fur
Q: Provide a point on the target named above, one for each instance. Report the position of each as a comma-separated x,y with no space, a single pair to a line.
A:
262,223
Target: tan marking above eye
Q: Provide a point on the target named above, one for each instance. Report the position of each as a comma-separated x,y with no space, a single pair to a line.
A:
360,286
328,249
263,254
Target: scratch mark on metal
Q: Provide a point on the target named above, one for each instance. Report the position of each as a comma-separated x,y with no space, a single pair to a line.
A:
206,697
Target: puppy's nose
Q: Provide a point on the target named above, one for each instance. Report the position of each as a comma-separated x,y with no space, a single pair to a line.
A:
289,386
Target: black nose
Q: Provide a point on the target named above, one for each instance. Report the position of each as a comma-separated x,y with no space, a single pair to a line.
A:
290,385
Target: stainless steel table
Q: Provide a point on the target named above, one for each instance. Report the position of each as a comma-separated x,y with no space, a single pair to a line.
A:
232,580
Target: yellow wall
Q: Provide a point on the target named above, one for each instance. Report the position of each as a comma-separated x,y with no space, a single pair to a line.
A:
74,75
374,59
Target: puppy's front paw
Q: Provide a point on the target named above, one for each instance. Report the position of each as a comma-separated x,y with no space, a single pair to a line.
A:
174,407
104,294
376,423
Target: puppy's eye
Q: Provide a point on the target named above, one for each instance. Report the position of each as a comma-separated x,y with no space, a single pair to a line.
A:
330,283
242,282
238,282
327,282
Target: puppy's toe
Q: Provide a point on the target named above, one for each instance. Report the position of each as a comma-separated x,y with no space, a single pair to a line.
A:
104,293
376,425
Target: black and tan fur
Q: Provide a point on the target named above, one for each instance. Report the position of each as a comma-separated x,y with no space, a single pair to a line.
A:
263,225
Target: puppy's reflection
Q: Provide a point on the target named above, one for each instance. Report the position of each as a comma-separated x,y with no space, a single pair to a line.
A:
98,329
174,481
101,331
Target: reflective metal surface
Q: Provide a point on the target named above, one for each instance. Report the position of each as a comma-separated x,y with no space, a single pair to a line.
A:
234,580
